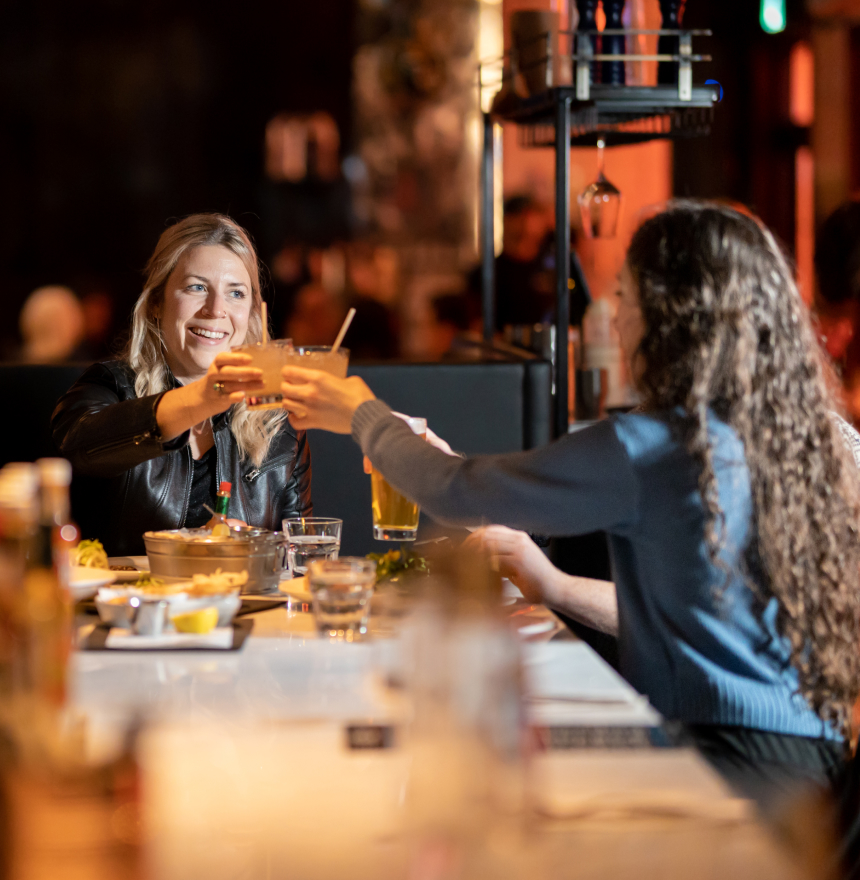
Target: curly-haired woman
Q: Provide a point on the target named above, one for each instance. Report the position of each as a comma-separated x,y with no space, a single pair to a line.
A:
160,428
730,500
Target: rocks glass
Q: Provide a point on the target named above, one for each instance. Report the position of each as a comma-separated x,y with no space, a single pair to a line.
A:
342,590
309,538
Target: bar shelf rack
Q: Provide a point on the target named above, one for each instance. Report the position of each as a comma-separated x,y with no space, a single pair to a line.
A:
569,109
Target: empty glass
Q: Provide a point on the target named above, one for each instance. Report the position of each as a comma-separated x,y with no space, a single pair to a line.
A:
309,538
600,203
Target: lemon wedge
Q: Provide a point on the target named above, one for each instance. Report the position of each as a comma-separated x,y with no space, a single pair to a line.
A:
221,530
202,621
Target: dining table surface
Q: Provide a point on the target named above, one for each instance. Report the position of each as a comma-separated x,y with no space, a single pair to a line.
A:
250,769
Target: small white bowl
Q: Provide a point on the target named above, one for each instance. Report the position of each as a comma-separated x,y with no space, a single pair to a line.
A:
226,603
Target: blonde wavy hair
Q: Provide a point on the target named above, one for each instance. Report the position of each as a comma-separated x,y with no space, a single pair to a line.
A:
254,431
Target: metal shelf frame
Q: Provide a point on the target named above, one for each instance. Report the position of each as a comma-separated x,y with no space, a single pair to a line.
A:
578,115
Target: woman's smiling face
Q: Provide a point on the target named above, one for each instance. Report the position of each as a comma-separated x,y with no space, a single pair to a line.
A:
207,305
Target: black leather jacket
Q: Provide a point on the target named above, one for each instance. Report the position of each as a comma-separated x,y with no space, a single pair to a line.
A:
128,481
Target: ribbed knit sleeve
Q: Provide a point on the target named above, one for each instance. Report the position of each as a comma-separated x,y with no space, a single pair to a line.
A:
581,483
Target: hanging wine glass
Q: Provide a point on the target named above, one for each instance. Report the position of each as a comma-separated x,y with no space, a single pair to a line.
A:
600,203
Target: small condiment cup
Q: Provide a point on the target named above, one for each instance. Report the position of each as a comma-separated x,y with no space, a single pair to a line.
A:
149,616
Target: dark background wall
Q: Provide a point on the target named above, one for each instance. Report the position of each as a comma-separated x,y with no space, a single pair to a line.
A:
117,115
749,156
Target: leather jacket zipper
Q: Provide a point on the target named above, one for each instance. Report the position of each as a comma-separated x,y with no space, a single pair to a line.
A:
275,462
137,439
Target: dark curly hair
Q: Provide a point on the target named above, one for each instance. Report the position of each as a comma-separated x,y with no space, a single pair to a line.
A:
726,330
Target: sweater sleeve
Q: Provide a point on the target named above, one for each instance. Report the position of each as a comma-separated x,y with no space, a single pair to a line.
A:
581,483
103,435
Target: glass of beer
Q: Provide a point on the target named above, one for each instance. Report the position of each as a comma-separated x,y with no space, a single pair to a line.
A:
278,353
395,517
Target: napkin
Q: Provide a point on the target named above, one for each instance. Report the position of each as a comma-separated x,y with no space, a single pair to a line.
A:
220,638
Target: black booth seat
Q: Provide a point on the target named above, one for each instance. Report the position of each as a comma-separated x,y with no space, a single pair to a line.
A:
477,407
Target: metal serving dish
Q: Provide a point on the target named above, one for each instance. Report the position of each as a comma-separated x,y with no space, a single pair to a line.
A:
182,553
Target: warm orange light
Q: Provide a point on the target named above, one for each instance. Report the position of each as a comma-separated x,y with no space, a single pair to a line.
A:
801,84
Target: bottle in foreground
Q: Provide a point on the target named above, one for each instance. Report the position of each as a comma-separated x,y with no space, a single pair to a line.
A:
467,738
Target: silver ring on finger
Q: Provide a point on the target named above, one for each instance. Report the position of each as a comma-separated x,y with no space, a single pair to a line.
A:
218,386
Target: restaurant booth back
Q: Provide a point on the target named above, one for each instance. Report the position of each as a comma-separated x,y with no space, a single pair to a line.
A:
477,407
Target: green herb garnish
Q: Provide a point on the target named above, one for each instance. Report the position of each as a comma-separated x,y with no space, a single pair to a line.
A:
394,563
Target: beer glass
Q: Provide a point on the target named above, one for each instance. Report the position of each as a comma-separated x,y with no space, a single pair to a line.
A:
395,517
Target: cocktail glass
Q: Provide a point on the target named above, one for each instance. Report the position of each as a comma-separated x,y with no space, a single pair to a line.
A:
269,358
310,538
395,517
342,590
320,357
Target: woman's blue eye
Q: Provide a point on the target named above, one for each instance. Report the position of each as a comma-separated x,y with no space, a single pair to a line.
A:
239,294
195,287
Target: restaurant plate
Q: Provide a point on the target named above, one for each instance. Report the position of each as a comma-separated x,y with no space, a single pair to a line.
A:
140,564
84,581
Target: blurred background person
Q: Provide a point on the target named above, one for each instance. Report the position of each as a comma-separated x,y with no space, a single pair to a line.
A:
98,307
454,317
339,278
525,269
52,326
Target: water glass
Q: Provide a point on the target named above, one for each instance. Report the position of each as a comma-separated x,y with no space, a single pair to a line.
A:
309,538
342,590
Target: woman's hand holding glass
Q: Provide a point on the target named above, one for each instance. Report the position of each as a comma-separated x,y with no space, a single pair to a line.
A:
228,380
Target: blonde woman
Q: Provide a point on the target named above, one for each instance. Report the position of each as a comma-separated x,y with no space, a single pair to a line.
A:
160,428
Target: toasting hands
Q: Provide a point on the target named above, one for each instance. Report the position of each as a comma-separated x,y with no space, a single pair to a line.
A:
315,399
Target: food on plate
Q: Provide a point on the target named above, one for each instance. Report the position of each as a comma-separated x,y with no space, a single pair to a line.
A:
202,621
193,536
90,554
154,587
123,568
217,582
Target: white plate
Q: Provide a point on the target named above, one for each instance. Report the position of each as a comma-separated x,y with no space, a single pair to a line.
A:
140,563
540,626
84,581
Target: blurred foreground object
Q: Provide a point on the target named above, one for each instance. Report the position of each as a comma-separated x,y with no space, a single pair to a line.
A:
467,738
